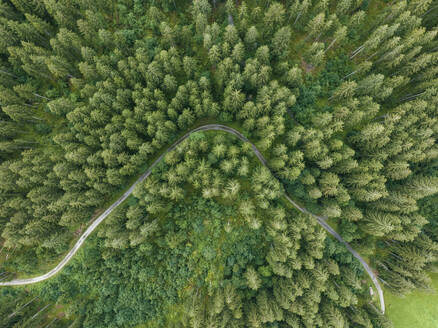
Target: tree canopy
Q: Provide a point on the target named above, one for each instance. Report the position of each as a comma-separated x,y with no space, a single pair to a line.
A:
341,98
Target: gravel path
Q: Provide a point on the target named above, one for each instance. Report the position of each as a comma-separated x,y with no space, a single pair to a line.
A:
208,127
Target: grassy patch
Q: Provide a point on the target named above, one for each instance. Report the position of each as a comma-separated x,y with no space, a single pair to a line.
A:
418,309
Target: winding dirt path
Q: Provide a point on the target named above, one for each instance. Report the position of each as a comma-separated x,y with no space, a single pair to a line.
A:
208,127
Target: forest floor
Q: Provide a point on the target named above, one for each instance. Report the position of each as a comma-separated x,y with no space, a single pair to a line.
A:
418,309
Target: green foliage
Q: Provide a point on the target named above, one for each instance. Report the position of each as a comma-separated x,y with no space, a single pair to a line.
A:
21,308
339,96
179,258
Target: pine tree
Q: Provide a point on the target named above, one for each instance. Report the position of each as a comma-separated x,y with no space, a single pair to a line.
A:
252,278
345,90
251,37
280,42
274,16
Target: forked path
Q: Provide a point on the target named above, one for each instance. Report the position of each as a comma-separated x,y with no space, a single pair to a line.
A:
207,127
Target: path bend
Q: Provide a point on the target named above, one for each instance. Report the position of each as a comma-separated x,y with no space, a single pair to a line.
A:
208,127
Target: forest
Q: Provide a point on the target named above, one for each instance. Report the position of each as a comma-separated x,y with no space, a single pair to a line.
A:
339,98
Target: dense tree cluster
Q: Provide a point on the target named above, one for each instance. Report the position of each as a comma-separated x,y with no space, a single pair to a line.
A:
341,97
216,258
21,308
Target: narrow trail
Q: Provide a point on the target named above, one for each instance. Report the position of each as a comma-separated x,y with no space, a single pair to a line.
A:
208,127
